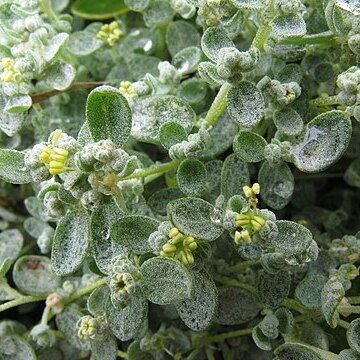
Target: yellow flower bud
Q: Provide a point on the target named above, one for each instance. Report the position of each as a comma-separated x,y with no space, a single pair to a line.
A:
256,188
173,232
169,248
247,191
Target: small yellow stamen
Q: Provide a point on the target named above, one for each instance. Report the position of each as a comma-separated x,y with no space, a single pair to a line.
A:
110,33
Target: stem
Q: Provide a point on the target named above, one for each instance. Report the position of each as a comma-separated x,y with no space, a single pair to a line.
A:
121,354
354,299
154,169
45,315
243,265
222,337
344,324
21,300
293,304
324,38
325,101
36,98
349,309
78,294
218,106
235,283
261,37
27,247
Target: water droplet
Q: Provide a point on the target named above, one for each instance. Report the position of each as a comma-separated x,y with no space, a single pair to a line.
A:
217,216
148,45
184,66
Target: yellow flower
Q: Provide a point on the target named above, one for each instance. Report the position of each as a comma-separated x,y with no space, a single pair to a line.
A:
110,33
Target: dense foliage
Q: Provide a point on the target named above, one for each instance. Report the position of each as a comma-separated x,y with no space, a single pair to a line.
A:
180,179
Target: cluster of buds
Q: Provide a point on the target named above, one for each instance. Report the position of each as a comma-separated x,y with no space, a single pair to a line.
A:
123,279
55,158
127,90
110,33
91,328
179,247
9,74
250,222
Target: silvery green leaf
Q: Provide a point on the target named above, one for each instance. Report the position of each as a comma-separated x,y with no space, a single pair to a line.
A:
274,288
288,121
97,300
349,354
137,5
159,199
261,341
245,104
180,35
236,306
286,320
71,242
234,175
18,104
187,60
12,167
157,13
249,146
192,177
60,76
55,47
198,312
292,238
127,322
104,249
308,291
248,4
181,213
276,183
352,173
353,335
14,347
83,43
165,281
299,351
66,322
32,275
11,242
84,136
331,296
171,133
324,141
213,39
207,71
152,112
351,6
222,136
108,115
288,25
314,335
10,124
133,231
104,349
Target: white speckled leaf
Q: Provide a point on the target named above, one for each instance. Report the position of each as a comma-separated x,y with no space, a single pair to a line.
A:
12,167
71,242
165,281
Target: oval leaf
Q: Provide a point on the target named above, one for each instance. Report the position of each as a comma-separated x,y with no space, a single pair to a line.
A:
12,167
32,274
277,184
71,242
191,177
166,281
98,10
326,138
108,115
181,212
198,312
249,146
133,232
245,104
